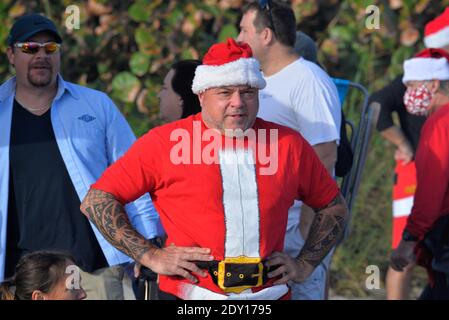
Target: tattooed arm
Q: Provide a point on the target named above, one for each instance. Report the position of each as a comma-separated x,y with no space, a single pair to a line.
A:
326,230
111,219
327,152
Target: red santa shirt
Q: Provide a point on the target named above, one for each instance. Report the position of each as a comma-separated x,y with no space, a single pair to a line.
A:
230,206
432,165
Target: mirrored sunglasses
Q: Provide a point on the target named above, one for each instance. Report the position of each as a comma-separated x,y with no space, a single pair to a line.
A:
34,47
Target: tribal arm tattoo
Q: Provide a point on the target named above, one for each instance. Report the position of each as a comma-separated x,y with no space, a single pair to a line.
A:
326,230
111,219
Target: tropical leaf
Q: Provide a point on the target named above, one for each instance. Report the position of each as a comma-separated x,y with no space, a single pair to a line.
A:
139,63
126,86
139,12
228,31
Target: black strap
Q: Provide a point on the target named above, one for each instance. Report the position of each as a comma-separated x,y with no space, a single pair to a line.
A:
212,268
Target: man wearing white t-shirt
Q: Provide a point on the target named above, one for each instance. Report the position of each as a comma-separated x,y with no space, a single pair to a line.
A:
299,95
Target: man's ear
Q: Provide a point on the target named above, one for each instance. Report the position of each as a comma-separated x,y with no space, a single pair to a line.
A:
37,295
10,54
434,86
267,36
201,97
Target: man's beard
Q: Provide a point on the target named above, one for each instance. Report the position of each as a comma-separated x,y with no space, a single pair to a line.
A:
40,80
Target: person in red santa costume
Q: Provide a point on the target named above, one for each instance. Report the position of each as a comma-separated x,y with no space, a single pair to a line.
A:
426,234
404,135
222,181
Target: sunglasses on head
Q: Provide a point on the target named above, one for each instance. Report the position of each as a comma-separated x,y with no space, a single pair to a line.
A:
34,47
267,5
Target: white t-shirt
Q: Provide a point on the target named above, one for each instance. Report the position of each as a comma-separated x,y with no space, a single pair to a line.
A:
303,97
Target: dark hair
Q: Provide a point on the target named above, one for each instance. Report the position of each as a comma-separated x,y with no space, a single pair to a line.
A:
184,71
40,270
5,290
282,21
306,47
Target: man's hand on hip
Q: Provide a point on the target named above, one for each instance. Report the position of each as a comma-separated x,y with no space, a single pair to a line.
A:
177,261
288,268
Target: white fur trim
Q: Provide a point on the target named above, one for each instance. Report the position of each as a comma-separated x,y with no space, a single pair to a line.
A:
420,69
244,71
188,291
438,39
240,203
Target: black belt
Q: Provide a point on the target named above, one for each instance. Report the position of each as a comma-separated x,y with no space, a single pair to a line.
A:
236,277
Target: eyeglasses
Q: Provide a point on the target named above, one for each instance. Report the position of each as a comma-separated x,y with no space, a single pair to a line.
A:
34,47
267,5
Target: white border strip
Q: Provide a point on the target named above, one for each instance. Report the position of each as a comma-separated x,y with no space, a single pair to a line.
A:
240,202
402,207
188,291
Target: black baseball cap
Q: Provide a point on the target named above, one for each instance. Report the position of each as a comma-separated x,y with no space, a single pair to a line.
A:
27,26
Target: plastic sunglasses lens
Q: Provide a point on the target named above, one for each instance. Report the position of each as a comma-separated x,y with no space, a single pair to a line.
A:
33,47
51,47
30,47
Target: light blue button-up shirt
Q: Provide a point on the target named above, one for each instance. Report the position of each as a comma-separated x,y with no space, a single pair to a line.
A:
91,134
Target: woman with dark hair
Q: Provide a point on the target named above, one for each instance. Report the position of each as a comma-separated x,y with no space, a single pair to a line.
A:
176,98
44,275
176,101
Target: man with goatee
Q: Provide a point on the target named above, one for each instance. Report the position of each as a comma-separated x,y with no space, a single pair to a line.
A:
56,139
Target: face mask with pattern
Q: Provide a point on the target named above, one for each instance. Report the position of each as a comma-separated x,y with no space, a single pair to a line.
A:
417,100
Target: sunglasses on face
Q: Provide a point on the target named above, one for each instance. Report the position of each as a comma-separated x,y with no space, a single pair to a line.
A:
267,5
34,47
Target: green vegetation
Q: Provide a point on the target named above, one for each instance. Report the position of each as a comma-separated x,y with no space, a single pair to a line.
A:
125,47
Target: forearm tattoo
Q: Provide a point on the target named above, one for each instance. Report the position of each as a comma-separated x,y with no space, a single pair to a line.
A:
110,217
325,232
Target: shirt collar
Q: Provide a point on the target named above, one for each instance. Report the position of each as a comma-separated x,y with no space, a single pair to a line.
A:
9,88
63,86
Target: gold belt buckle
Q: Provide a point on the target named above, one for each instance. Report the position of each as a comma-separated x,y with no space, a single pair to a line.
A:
223,273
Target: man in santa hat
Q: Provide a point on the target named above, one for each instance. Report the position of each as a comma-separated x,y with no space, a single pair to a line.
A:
225,214
426,233
405,137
